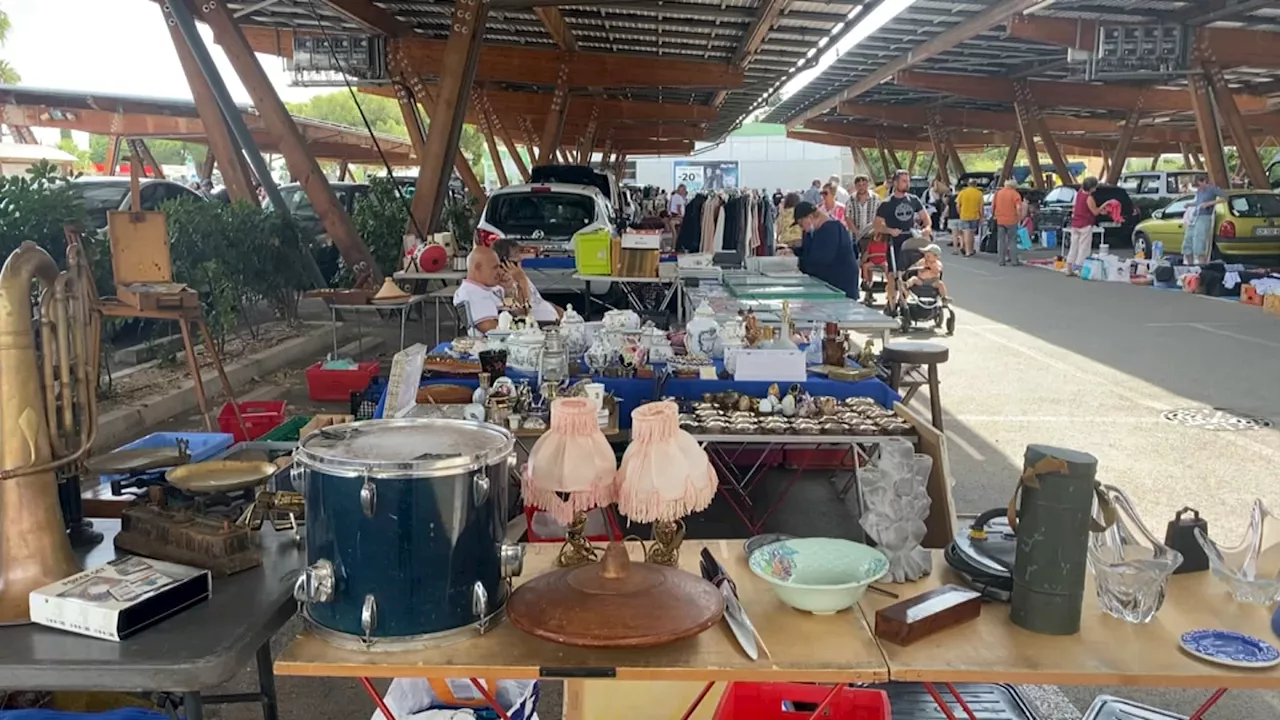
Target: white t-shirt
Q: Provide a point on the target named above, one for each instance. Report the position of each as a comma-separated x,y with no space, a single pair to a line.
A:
482,303
542,311
676,205
842,196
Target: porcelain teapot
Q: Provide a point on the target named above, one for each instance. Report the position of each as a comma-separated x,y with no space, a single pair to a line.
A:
621,320
703,332
524,349
574,330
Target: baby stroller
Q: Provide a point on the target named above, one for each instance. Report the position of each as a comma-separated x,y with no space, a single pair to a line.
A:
922,303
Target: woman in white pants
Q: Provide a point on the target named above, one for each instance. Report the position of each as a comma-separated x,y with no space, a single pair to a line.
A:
1083,214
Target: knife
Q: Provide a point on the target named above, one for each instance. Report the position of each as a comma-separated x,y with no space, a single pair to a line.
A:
734,614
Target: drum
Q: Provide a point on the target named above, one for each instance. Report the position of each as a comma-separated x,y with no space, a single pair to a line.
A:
405,526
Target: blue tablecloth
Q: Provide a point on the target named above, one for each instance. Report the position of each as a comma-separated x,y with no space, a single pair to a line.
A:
631,393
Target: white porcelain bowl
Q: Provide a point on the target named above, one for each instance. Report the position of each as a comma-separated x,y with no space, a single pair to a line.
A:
819,575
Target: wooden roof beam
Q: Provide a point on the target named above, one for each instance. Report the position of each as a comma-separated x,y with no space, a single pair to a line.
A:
1233,47
508,102
1064,94
940,43
553,20
371,16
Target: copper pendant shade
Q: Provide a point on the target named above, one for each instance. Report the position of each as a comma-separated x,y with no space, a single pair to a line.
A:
615,603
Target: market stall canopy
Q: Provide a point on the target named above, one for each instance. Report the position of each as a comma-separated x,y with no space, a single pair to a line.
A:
146,118
720,57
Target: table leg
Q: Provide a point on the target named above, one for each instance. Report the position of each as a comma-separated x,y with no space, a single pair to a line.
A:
935,396
377,699
586,298
267,683
1208,704
489,698
404,315
193,706
693,707
195,374
573,706
333,324
437,314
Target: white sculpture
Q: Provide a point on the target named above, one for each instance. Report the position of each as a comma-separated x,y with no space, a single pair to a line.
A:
895,504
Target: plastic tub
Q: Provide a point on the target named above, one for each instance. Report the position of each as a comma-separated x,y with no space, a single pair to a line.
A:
797,701
201,445
259,416
337,385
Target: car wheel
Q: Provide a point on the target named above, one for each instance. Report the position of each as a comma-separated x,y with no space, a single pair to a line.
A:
1141,244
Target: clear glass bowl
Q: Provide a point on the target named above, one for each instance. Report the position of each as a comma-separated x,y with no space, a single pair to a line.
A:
1130,566
1251,570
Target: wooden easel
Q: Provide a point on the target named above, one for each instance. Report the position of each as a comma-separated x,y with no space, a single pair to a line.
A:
143,275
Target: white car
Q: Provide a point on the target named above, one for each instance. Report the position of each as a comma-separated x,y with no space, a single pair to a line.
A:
1159,184
546,216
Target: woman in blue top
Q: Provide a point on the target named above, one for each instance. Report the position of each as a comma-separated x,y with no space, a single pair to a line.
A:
826,249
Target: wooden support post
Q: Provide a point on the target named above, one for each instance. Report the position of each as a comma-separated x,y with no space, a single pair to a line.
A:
1106,163
620,169
553,129
589,137
150,159
1186,156
1010,158
530,138
1022,92
236,176
1198,160
490,142
939,154
460,163
457,70
1116,166
412,123
206,169
911,163
301,163
1026,128
343,167
861,155
893,153
954,156
1207,125
501,132
22,135
608,149
1246,150
113,154
1155,162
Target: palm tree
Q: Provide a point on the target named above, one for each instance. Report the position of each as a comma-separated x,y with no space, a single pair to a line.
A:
8,76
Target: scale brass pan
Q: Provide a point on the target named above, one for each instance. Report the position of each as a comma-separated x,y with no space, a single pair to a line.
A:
135,461
215,476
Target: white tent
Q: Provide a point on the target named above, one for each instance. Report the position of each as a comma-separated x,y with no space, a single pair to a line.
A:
15,158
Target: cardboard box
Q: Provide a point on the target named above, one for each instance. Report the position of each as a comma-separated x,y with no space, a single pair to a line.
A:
1271,304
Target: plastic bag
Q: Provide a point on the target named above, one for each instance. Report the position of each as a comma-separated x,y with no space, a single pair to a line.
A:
1024,238
409,697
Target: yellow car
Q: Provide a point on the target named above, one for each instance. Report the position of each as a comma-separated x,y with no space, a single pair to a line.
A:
1246,226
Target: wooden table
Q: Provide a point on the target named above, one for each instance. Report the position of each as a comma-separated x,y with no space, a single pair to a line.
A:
832,649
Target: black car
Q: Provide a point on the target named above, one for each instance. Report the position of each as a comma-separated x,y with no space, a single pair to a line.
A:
99,195
1056,208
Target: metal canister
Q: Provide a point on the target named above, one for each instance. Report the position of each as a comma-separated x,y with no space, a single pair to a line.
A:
1052,520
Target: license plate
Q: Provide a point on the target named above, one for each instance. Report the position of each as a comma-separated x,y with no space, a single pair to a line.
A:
1267,231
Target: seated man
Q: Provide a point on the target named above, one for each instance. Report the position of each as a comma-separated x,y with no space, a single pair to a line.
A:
928,272
479,296
519,288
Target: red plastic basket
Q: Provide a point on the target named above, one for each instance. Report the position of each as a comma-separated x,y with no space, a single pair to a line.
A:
260,416
797,701
337,385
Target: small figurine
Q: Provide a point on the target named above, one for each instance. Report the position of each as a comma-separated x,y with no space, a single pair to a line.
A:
788,405
867,358
774,392
766,405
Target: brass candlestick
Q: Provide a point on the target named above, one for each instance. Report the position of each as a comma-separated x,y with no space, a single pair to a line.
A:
668,535
577,550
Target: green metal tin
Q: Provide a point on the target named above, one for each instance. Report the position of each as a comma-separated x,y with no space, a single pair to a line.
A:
1053,540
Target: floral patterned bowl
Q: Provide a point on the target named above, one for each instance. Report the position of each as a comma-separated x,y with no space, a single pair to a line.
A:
819,575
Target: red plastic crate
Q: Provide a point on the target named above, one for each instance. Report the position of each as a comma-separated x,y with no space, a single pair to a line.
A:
797,701
260,416
337,385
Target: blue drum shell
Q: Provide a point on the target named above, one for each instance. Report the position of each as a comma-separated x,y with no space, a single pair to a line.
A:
429,542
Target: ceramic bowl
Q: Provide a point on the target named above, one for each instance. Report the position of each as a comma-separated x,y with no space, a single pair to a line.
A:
819,575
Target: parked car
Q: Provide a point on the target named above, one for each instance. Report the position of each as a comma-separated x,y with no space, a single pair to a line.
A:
1055,212
1273,174
605,182
1156,184
1246,226
99,195
986,182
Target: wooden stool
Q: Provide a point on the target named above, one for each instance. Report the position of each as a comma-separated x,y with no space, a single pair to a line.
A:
906,360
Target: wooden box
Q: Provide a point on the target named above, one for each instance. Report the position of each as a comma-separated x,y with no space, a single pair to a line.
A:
638,263
914,619
1249,296
1271,303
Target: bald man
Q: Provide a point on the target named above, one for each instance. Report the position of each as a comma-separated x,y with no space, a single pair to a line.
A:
481,292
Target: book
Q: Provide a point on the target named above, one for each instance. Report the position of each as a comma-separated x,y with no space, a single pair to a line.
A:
120,598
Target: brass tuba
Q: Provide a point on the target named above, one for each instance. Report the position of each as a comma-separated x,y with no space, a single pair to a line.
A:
48,413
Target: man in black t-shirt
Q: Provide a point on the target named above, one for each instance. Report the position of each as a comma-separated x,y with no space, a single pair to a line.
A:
896,218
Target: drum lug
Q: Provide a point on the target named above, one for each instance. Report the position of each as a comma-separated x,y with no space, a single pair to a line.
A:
510,559
369,616
479,600
480,487
315,584
368,497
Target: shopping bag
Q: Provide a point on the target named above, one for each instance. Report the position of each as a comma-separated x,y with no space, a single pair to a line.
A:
1093,269
1024,238
408,697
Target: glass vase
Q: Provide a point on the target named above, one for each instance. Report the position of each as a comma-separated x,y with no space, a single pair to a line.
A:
1251,570
1130,566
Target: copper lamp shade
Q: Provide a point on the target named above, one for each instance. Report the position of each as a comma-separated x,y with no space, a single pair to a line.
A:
615,603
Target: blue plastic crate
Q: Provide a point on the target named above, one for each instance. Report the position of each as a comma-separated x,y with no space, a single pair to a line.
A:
201,445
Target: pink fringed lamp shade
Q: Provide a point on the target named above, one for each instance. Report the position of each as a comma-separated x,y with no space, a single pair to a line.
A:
665,475
571,467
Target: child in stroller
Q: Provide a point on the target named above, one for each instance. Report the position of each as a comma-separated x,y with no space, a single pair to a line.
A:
924,296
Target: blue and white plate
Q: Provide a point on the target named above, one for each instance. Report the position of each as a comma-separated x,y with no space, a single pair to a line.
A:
1227,647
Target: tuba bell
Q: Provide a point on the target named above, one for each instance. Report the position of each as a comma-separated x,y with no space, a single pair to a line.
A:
48,413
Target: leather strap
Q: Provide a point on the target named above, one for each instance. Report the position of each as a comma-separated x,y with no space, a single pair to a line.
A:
1049,466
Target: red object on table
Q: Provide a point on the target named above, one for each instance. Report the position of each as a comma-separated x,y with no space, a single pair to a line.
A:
337,385
765,701
260,417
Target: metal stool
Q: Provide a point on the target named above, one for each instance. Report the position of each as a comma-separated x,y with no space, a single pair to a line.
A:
913,365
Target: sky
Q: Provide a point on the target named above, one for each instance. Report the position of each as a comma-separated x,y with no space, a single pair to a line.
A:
119,47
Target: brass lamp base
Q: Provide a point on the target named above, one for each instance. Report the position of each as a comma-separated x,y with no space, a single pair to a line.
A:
668,536
577,549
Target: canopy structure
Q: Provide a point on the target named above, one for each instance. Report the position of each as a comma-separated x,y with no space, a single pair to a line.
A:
1028,73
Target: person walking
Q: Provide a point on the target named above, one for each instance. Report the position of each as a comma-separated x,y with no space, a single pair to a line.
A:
1084,213
1006,207
969,208
826,250
935,201
1199,221
897,217
860,218
830,205
842,195
813,195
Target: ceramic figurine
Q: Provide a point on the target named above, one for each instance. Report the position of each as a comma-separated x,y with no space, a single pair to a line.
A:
766,405
744,403
808,407
651,336
600,355
788,405
774,392
702,332
867,358
661,353
504,320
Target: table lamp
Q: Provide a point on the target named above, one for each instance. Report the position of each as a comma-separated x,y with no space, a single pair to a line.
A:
664,476
570,472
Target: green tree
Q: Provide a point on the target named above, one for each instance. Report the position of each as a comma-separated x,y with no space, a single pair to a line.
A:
384,117
166,152
8,76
